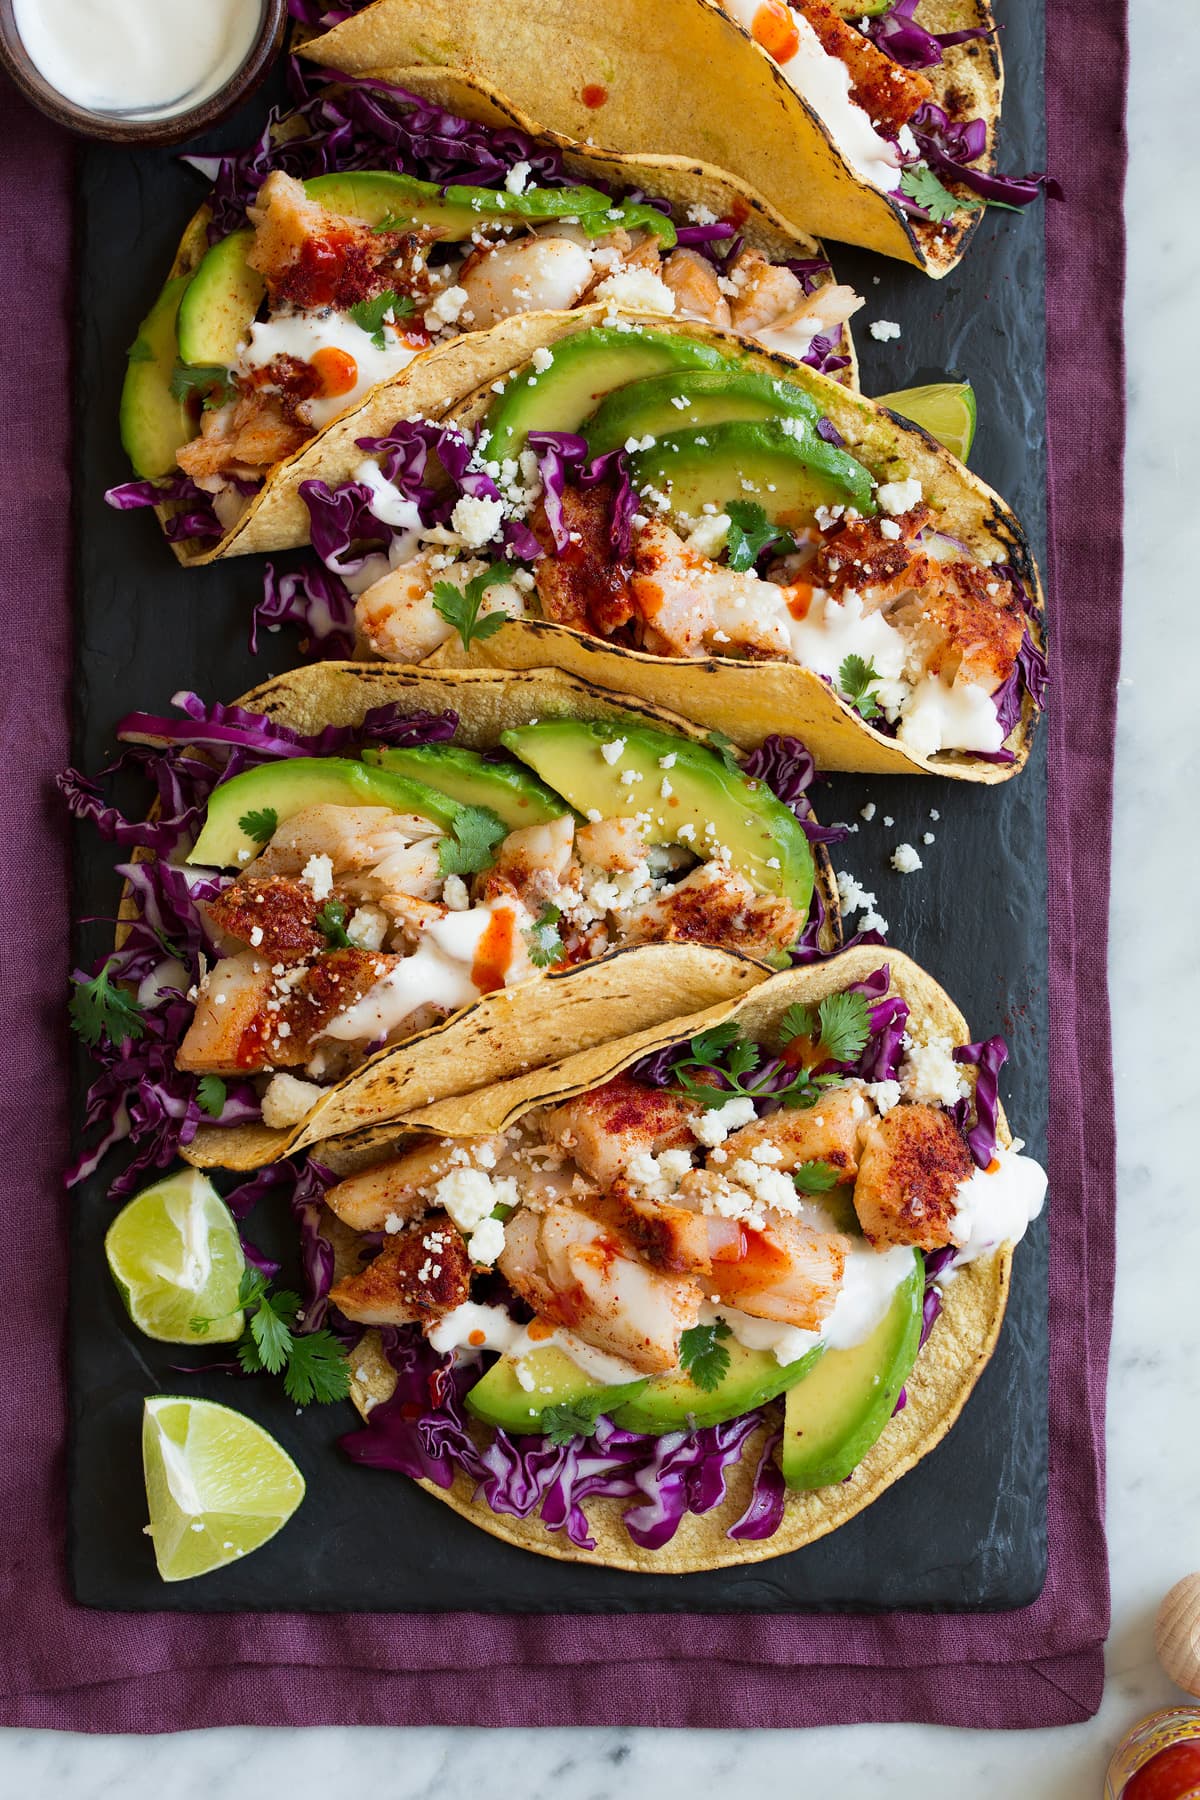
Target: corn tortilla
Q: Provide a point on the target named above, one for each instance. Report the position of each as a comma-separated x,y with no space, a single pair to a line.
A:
951,1362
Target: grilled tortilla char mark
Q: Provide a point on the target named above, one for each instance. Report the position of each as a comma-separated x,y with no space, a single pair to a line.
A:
418,1277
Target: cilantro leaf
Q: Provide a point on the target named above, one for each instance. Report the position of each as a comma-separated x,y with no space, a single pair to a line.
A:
703,1356
316,1369
210,1095
100,1010
751,532
845,1027
726,749
368,315
270,1329
261,825
252,1286
570,1420
856,678
209,381
922,186
707,1045
332,921
460,606
816,1177
545,945
797,1021
476,832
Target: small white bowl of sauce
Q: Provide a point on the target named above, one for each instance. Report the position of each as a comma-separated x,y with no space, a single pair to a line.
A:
139,71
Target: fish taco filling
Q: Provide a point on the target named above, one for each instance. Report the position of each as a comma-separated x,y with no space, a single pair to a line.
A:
366,228
313,900
610,1296
879,83
657,494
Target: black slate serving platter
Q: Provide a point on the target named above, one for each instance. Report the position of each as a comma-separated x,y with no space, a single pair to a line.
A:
966,1528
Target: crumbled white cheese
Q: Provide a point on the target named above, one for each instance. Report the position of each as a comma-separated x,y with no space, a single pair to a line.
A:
715,1125
638,290
471,1195
885,1094
929,1073
899,496
517,179
541,359
318,873
710,536
288,1100
868,812
455,895
486,1241
884,330
905,860
477,520
368,927
613,751
888,528
445,308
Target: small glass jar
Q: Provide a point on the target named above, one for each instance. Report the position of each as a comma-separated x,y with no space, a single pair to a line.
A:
1159,1759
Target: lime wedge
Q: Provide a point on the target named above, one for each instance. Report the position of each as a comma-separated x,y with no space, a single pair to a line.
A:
217,1484
946,409
175,1255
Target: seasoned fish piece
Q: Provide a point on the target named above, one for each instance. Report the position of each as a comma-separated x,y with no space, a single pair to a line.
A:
417,1277
827,1132
403,1186
715,905
910,1167
785,1271
604,1130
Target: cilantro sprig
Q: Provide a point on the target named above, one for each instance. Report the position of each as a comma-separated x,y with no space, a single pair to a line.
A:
816,1177
369,315
311,1363
571,1419
474,833
856,677
208,382
99,1009
751,532
722,1065
834,1031
460,606
210,1095
332,921
261,824
703,1355
544,944
922,186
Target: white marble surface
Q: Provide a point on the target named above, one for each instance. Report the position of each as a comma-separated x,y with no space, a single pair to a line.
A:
1154,1451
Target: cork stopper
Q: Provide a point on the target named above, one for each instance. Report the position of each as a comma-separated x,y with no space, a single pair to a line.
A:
1177,1634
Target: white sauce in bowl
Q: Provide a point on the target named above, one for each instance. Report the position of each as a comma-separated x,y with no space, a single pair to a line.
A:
143,58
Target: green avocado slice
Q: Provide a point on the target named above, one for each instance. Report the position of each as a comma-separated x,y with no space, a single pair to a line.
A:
154,423
708,806
788,475
288,786
583,370
840,1408
512,793
221,300
501,1398
671,1402
695,398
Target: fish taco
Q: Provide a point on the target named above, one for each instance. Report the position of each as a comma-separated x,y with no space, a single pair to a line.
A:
697,1304
873,123
715,530
376,254
366,889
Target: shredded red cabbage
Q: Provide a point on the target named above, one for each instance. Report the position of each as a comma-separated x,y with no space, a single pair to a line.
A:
899,36
764,1513
196,520
787,768
562,459
422,1431
951,148
988,1058
312,598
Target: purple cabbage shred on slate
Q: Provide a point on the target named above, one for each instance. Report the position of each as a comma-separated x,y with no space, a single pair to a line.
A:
987,1058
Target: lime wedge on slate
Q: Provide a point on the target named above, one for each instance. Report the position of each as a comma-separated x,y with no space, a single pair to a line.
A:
175,1256
946,409
217,1484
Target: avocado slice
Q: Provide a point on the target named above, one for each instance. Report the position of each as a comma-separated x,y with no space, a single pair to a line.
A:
221,300
674,1402
722,806
789,476
840,1408
154,424
501,1399
584,369
512,793
293,783
711,396
376,195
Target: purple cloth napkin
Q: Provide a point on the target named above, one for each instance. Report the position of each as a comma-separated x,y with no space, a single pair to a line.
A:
71,1668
